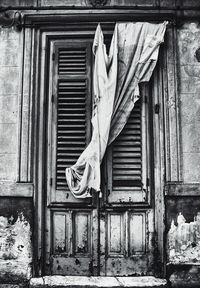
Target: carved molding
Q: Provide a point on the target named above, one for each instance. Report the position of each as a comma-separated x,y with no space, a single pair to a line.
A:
97,3
9,19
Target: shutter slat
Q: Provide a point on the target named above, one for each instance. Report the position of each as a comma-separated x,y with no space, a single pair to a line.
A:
72,61
128,149
126,166
127,153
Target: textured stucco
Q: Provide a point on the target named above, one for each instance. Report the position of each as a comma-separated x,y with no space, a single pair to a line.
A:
15,248
188,42
9,93
184,241
15,239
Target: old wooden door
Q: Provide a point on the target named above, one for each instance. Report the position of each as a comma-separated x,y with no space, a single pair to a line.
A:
112,235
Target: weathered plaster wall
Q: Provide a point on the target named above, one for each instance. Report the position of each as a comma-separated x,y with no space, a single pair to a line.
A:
183,241
15,240
9,91
189,93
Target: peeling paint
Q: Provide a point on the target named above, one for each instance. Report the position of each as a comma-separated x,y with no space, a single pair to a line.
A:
184,240
15,247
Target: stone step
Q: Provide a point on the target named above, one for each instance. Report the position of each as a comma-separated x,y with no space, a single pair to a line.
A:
97,282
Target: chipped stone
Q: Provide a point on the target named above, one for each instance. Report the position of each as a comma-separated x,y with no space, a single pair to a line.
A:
97,282
184,241
15,248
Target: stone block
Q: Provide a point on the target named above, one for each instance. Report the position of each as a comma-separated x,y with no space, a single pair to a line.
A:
186,278
19,3
188,42
167,3
149,3
7,34
191,137
60,3
9,52
97,282
8,138
144,281
190,3
8,109
191,167
189,108
10,286
186,85
9,80
8,166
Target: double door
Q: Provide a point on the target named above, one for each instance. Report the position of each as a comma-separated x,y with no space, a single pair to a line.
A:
112,235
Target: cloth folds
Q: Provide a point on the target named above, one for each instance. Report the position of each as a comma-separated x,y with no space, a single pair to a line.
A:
131,60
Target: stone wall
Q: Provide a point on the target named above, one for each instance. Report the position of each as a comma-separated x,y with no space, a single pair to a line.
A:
15,213
189,93
15,240
182,211
9,92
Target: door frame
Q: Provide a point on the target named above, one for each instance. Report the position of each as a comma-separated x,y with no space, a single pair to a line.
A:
45,27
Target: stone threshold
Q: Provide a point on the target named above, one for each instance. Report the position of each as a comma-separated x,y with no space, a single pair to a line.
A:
97,282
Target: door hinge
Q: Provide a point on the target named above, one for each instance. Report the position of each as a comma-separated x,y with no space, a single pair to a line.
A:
147,182
53,56
157,108
51,181
52,98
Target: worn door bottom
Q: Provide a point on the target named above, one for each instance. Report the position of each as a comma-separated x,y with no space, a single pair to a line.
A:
96,282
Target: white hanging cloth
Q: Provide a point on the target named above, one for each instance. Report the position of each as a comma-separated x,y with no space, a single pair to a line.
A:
131,60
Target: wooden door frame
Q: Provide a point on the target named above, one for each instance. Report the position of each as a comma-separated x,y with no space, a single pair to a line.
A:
164,122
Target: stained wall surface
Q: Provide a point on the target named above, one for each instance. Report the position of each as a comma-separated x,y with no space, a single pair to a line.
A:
16,214
188,42
9,93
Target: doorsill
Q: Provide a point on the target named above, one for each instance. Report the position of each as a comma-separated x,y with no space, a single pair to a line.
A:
97,282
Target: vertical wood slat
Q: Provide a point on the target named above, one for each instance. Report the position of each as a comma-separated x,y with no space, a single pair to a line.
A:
25,120
159,157
173,171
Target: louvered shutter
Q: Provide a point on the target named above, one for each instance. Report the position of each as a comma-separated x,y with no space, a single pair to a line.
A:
127,153
128,161
72,108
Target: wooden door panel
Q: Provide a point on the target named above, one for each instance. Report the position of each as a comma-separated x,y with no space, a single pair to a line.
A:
128,158
73,232
112,236
126,243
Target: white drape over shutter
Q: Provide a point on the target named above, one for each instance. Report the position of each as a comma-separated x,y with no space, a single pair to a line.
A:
132,57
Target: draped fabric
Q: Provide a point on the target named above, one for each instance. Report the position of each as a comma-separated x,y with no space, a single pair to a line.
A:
132,57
